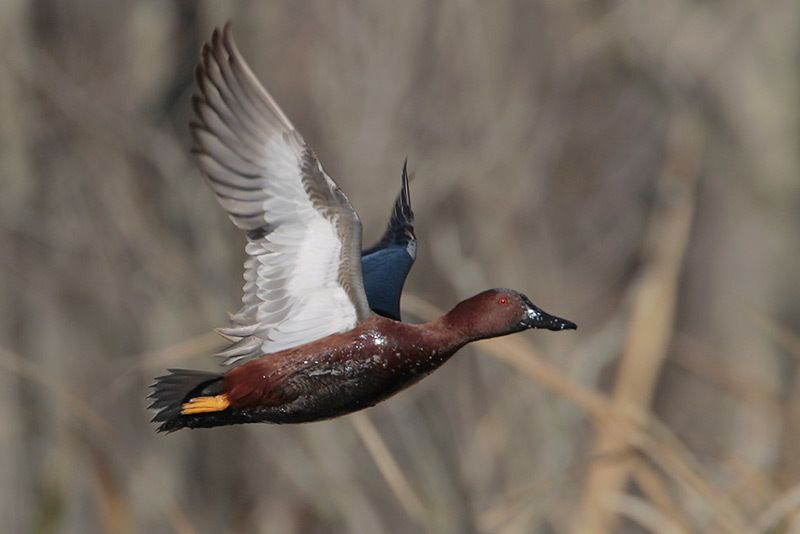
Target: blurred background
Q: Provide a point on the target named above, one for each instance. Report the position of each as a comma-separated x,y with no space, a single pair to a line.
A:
631,165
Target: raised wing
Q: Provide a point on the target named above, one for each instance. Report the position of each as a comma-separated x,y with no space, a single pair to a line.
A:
302,274
385,265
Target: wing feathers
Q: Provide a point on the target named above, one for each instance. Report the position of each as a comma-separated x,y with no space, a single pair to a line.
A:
256,93
244,145
303,271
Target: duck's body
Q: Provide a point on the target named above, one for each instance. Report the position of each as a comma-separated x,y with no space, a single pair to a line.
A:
309,342
343,372
329,377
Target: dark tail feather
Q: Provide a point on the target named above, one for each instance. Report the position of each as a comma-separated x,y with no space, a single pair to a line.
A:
170,391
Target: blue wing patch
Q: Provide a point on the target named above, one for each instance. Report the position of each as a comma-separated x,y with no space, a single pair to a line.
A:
386,265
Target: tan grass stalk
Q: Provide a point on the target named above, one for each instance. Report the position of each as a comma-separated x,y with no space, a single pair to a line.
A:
114,505
654,488
178,352
100,436
651,319
74,404
637,429
510,505
643,513
784,337
388,466
780,510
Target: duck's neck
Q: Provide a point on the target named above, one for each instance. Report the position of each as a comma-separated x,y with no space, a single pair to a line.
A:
429,345
453,330
463,323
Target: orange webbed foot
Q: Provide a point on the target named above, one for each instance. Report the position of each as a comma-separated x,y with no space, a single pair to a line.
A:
217,403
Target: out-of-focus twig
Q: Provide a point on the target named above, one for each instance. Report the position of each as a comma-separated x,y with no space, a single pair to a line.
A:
694,358
639,429
388,466
34,373
642,513
160,359
508,506
101,435
780,509
115,508
654,489
652,316
177,352
787,339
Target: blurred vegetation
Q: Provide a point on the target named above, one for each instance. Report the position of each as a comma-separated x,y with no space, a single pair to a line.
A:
631,165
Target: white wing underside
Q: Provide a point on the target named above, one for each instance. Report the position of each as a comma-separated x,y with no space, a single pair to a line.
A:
300,282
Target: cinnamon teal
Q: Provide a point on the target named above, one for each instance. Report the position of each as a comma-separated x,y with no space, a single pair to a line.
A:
308,343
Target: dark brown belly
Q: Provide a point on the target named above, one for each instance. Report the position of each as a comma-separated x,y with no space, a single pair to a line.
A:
300,389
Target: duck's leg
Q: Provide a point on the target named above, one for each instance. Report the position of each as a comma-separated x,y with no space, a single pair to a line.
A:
217,403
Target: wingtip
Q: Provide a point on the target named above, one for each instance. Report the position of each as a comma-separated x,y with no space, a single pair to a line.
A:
229,43
401,222
199,69
406,190
216,48
225,336
227,35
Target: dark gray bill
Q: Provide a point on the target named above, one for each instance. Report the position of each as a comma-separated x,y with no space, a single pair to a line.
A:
535,317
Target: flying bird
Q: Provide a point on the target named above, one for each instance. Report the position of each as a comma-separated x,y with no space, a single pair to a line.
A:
318,334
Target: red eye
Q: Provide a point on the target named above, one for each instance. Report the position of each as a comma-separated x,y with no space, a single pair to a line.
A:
503,301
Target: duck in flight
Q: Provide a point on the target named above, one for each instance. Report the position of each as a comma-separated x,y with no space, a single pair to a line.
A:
309,342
